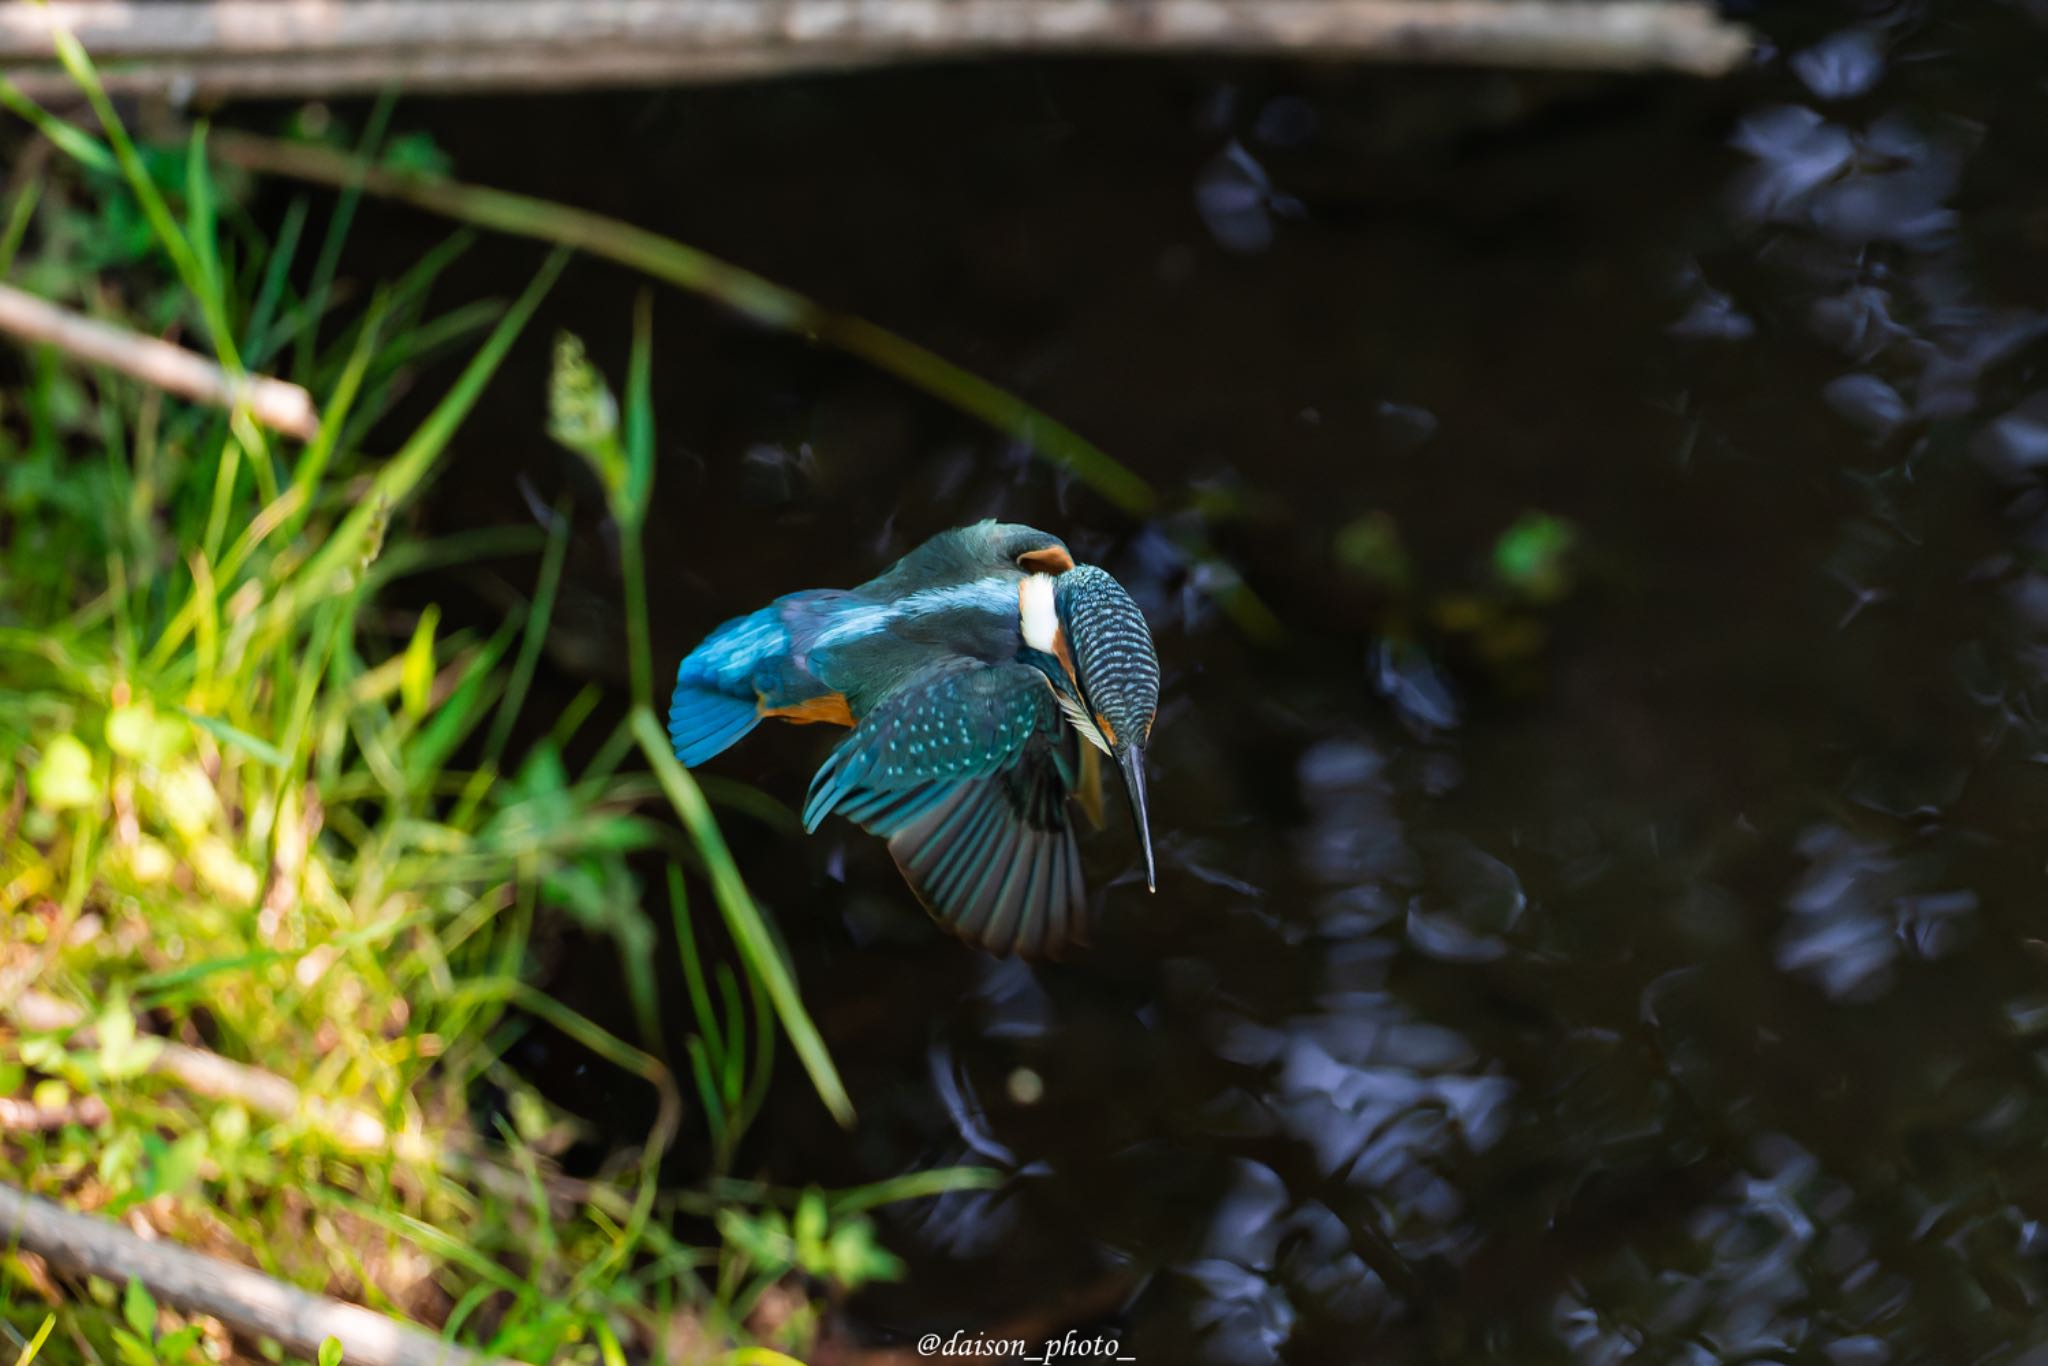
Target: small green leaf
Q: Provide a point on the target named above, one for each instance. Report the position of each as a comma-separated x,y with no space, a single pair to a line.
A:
1533,556
809,1229
119,1158
182,1346
172,1166
62,778
138,1310
417,154
123,1053
763,1238
1370,547
131,731
854,1258
132,1350
416,682
330,1351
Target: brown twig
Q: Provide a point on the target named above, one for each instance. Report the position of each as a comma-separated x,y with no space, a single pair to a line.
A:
25,1116
246,1300
265,1093
348,1127
326,46
275,403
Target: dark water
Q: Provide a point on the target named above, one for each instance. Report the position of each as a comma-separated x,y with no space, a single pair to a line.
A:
1660,973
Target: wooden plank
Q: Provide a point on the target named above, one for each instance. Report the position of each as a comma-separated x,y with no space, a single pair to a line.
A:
332,46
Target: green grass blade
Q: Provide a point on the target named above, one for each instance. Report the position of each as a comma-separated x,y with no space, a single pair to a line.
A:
256,342
35,1344
173,239
686,267
338,226
756,943
538,613
640,414
258,749
630,510
693,967
67,137
455,718
913,1186
404,472
19,214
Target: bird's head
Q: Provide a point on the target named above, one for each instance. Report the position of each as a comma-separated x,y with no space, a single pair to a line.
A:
1102,642
1025,549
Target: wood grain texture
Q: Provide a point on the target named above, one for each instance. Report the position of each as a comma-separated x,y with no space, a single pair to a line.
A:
268,47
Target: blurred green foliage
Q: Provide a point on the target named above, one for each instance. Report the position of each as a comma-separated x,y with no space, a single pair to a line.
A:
1499,624
257,810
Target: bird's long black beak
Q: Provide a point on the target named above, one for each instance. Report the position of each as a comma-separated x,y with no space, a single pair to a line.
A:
1132,762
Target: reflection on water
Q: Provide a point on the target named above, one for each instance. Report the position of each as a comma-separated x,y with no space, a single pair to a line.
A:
1669,983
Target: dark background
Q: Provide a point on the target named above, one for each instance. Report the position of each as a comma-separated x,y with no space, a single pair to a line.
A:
1673,992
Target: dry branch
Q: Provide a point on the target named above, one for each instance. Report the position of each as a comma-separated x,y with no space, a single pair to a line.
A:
273,402
329,46
273,1097
245,1300
25,1116
216,1078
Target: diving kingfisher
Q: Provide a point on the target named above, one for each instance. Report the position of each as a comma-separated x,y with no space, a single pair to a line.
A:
970,671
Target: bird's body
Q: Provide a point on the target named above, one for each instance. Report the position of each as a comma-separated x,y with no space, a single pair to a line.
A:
964,671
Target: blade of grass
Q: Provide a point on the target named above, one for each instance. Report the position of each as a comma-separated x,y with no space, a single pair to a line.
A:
314,459
173,240
693,967
699,272
256,348
35,1344
756,943
260,750
455,718
337,232
19,214
913,1186
67,137
767,303
538,613
591,1035
404,472
631,508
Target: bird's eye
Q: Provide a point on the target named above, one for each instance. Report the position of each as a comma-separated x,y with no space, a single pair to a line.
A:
1054,559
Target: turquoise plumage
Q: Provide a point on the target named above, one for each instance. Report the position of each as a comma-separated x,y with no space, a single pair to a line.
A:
971,672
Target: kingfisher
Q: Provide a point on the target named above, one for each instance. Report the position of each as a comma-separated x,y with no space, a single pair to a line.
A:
972,673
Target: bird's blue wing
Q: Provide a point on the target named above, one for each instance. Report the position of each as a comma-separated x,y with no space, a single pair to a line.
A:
966,774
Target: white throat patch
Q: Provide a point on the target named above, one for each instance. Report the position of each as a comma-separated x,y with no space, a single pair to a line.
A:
1036,615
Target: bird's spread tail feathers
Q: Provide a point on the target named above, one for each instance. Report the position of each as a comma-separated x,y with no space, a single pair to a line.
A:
715,701
703,723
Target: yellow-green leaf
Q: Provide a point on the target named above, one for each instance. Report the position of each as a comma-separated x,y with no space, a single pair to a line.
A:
416,683
62,778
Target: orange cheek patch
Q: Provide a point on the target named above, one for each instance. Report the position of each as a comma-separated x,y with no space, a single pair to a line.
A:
830,710
1108,731
1051,560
